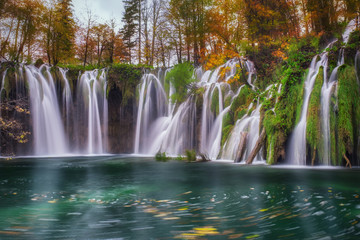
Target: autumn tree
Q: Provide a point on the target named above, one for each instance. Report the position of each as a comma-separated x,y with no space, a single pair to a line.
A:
19,27
59,32
270,19
233,28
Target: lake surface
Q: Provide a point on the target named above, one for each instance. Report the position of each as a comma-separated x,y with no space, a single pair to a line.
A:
124,197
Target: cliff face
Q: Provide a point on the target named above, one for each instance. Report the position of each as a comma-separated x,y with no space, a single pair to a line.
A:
122,123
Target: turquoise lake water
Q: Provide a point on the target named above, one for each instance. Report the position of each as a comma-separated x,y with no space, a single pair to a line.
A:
126,197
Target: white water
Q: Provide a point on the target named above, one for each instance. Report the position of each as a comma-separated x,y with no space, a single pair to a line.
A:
326,92
169,127
67,101
297,148
92,93
248,124
58,122
159,127
48,129
2,88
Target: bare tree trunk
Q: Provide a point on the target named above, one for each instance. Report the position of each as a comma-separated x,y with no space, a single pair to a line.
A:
348,163
241,148
313,157
139,52
259,143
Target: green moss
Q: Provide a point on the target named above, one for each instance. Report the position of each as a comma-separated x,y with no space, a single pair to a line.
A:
215,101
349,111
238,108
181,76
333,132
125,77
313,128
228,124
227,101
279,125
241,102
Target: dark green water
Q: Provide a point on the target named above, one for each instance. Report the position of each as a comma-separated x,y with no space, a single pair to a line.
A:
134,198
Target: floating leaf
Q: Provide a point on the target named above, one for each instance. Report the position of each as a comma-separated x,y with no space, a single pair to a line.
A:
183,209
234,236
252,236
171,218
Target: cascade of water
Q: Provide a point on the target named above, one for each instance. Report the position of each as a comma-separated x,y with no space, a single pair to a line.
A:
91,97
326,92
160,128
249,124
67,101
48,130
211,124
250,67
2,86
297,147
172,129
211,133
348,30
152,109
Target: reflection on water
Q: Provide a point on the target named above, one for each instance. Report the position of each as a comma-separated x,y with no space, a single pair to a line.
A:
137,198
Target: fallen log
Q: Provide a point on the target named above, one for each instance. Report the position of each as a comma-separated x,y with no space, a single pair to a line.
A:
259,143
241,149
347,161
204,158
313,157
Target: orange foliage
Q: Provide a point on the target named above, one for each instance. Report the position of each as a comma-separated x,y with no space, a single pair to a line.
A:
213,60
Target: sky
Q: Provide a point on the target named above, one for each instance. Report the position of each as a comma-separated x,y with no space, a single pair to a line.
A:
103,9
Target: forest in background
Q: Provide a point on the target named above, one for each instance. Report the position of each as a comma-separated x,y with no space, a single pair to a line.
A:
163,33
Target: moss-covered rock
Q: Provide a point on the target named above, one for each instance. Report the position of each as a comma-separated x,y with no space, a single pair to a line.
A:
348,114
313,127
280,123
215,101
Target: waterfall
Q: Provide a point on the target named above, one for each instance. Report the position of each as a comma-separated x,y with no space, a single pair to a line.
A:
247,124
171,127
152,110
297,146
2,88
62,124
48,129
348,30
250,67
92,101
159,127
67,101
326,92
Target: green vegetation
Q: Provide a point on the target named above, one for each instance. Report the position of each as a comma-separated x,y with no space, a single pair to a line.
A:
349,112
180,76
190,155
238,109
313,129
161,157
215,101
126,78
